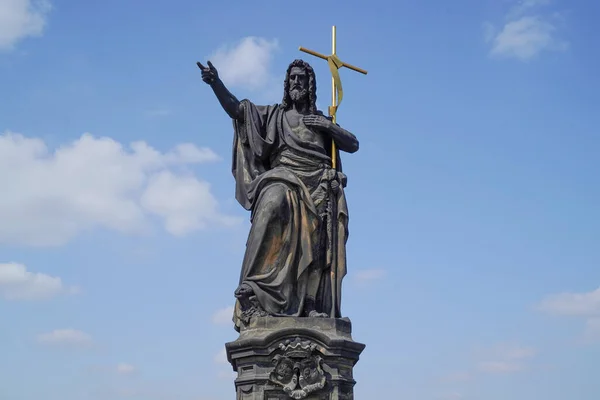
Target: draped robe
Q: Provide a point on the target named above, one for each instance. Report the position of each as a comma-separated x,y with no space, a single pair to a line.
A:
282,180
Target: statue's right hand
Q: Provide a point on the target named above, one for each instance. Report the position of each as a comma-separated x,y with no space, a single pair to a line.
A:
209,74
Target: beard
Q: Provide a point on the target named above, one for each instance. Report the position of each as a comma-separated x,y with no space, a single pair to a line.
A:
299,95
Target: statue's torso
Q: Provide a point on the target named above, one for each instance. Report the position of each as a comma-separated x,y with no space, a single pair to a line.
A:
303,132
309,165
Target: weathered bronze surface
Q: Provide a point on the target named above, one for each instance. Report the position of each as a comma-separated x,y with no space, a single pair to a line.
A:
295,256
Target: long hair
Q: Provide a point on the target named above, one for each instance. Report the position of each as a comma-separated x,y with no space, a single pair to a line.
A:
286,103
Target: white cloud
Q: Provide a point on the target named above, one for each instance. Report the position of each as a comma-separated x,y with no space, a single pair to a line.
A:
224,368
455,377
177,198
20,19
526,32
512,351
145,390
500,367
572,304
592,329
221,357
159,112
125,369
369,275
50,197
451,396
223,316
246,64
70,337
489,32
503,358
506,358
586,304
16,283
522,7
519,352
525,38
226,375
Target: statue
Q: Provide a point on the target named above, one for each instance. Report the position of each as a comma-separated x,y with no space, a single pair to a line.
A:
295,256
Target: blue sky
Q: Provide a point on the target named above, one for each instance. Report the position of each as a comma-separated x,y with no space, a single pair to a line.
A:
474,220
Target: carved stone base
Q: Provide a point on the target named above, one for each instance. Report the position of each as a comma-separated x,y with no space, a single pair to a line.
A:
294,358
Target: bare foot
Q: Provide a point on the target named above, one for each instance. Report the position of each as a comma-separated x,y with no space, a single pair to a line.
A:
316,314
244,294
244,290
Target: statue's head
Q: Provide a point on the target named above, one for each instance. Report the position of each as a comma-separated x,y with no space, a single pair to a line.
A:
300,86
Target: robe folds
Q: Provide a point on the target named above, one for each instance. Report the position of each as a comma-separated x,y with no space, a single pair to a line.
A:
291,255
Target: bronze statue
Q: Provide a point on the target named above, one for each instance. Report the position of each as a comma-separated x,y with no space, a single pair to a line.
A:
295,256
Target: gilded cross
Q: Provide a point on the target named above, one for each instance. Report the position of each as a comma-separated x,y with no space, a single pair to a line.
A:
336,84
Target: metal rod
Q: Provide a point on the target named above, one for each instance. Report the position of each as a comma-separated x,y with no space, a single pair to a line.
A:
333,100
324,57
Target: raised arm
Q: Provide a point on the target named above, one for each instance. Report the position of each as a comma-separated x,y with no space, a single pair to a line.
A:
228,101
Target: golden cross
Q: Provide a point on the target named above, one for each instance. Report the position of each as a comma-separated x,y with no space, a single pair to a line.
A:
336,84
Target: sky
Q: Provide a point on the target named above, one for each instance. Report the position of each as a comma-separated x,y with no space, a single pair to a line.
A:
473,257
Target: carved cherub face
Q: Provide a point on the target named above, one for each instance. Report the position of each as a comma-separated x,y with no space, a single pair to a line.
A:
298,81
284,370
309,368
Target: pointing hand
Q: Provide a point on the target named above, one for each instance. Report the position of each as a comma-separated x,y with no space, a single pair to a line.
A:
209,74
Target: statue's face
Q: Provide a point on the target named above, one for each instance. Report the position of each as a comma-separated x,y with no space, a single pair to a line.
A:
298,78
298,81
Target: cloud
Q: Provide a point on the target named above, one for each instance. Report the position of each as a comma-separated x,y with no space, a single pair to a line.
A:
513,352
586,304
146,390
49,197
20,19
457,377
500,359
519,353
451,396
221,358
500,367
223,316
525,38
70,337
592,329
247,64
505,358
522,7
16,283
572,304
226,375
125,369
526,32
177,198
369,275
158,112
223,372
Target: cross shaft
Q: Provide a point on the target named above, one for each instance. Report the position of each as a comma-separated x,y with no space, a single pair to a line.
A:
336,84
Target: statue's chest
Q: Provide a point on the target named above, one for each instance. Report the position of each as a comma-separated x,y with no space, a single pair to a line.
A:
303,132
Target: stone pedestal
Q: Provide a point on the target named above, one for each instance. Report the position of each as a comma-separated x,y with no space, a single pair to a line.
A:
294,358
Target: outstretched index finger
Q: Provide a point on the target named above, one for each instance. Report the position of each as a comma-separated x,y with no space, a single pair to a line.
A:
210,65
